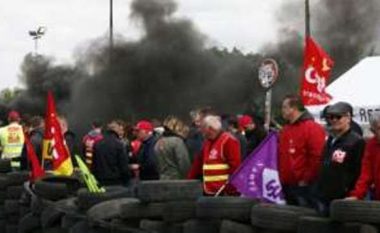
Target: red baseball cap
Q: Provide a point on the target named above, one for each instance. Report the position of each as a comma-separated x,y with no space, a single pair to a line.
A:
144,125
14,116
244,121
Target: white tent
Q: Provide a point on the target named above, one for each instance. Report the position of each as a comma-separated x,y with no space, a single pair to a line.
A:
359,86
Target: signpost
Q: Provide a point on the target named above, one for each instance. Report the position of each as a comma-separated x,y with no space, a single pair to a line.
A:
268,75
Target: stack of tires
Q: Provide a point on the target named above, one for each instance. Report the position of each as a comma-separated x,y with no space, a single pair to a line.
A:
13,207
356,216
279,218
158,206
222,214
50,192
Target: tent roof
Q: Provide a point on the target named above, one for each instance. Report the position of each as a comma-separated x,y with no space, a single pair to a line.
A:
360,86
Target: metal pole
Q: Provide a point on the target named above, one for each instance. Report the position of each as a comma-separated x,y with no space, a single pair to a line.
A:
35,46
111,24
267,110
307,18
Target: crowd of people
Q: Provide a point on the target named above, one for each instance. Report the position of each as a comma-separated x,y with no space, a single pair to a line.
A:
317,163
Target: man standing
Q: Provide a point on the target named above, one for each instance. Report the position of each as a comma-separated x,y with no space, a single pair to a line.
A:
341,158
110,160
146,157
12,140
219,158
300,148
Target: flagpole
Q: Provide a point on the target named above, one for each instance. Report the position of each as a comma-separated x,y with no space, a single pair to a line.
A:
307,18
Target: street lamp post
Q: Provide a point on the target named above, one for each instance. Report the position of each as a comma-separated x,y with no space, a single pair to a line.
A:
36,35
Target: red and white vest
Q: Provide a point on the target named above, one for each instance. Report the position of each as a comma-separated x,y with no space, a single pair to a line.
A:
215,167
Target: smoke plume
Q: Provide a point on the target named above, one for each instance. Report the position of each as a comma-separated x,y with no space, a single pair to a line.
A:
169,70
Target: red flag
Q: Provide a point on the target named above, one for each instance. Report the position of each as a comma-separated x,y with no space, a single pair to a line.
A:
54,147
316,72
37,170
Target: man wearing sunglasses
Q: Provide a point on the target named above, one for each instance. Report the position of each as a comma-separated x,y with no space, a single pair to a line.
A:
341,157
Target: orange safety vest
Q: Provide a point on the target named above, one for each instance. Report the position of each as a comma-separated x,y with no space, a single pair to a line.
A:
215,168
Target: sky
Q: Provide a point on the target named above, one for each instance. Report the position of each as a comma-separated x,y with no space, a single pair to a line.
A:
245,24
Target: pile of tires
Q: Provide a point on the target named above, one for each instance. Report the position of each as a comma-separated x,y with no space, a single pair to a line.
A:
13,201
158,206
48,194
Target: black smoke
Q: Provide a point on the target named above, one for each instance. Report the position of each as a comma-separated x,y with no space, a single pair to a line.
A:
170,70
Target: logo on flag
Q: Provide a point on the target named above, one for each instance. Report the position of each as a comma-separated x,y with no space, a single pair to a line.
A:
258,176
316,73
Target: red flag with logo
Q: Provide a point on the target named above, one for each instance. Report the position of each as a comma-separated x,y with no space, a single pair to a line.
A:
316,73
37,171
54,146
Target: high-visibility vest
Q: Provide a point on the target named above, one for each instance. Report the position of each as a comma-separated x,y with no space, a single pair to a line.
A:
215,167
12,142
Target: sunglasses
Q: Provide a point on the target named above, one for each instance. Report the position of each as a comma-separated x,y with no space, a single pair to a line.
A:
334,117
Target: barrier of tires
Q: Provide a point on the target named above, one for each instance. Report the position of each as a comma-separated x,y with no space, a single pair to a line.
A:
62,205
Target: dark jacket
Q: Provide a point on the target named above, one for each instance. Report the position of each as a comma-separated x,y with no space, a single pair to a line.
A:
110,161
300,150
243,144
147,160
194,142
254,138
36,137
341,163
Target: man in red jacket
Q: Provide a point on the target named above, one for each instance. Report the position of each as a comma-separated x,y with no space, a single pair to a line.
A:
300,149
370,168
219,158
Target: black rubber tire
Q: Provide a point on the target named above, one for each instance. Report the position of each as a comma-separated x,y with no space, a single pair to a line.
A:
55,230
201,226
51,190
11,228
2,212
4,182
39,204
67,206
12,219
366,228
278,217
232,208
133,210
50,217
3,196
17,178
70,220
179,211
229,226
29,223
317,225
14,192
2,225
87,199
11,207
109,209
355,211
23,210
5,166
169,190
154,226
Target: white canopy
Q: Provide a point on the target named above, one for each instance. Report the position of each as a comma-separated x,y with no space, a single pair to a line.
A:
359,86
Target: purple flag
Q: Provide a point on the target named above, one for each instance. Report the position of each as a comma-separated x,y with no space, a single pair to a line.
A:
257,176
